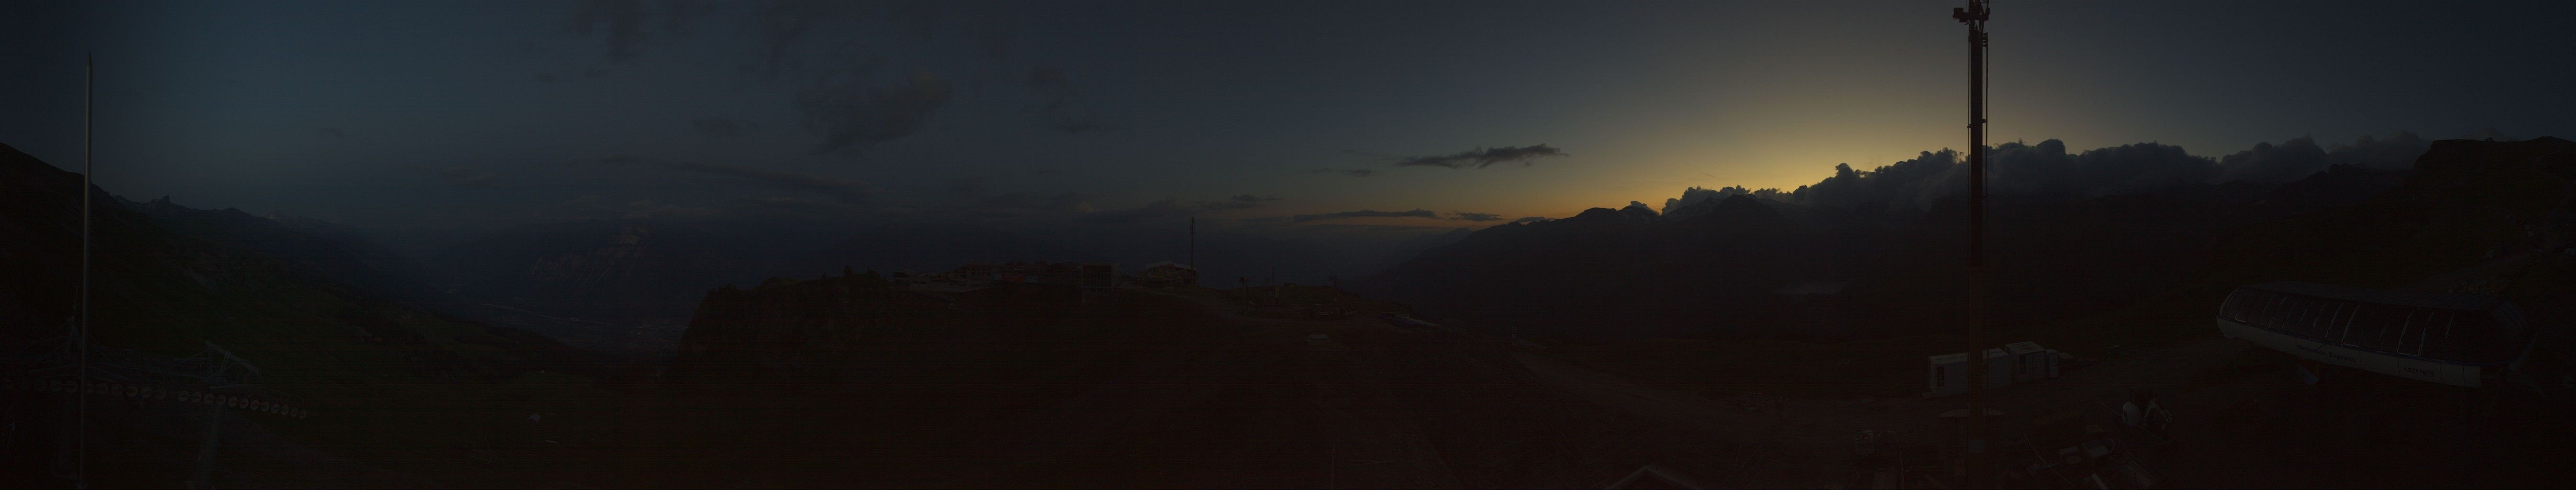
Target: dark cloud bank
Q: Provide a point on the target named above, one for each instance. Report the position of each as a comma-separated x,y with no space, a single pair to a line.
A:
845,191
2047,168
854,90
1417,213
854,116
1482,157
1865,252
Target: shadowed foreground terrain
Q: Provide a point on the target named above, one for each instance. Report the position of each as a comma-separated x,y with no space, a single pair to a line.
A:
854,380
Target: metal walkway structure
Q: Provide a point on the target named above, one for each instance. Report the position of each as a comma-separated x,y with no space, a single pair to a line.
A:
212,378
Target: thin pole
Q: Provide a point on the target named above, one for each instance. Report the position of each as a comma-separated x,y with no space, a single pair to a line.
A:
1975,16
80,424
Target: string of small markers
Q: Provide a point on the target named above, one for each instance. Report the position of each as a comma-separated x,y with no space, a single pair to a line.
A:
140,392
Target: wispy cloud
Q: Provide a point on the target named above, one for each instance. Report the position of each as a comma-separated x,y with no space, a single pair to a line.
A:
1482,157
461,175
846,191
1057,100
853,117
1244,201
1354,172
1365,213
720,127
625,25
1174,208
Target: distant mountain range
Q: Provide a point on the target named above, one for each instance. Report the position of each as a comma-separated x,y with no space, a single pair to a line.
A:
1755,264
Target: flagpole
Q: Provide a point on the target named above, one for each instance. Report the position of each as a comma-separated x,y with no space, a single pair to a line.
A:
80,424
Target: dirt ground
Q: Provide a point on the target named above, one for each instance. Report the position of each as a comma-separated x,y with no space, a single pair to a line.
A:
1258,402
2243,419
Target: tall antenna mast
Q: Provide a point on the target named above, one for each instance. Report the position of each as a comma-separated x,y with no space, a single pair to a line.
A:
1975,15
80,337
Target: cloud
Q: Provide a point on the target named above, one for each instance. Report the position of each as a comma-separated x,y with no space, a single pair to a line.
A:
719,127
785,208
2397,151
1056,99
1027,203
1902,182
845,97
2490,133
852,117
1174,208
2271,164
993,44
2126,169
1696,195
1167,208
460,175
1371,213
845,191
1533,219
2016,168
678,14
1359,172
1482,157
1365,213
625,25
629,24
782,27
2047,168
1245,201
2300,157
334,133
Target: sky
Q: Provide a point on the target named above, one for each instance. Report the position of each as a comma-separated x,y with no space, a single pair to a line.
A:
1277,116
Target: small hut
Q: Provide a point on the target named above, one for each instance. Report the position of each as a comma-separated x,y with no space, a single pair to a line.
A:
1999,369
1949,374
1950,371
2032,362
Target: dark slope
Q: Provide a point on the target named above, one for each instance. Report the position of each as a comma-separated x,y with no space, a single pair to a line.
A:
1414,247
847,368
1610,267
605,270
366,364
631,286
839,382
785,324
337,252
505,292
